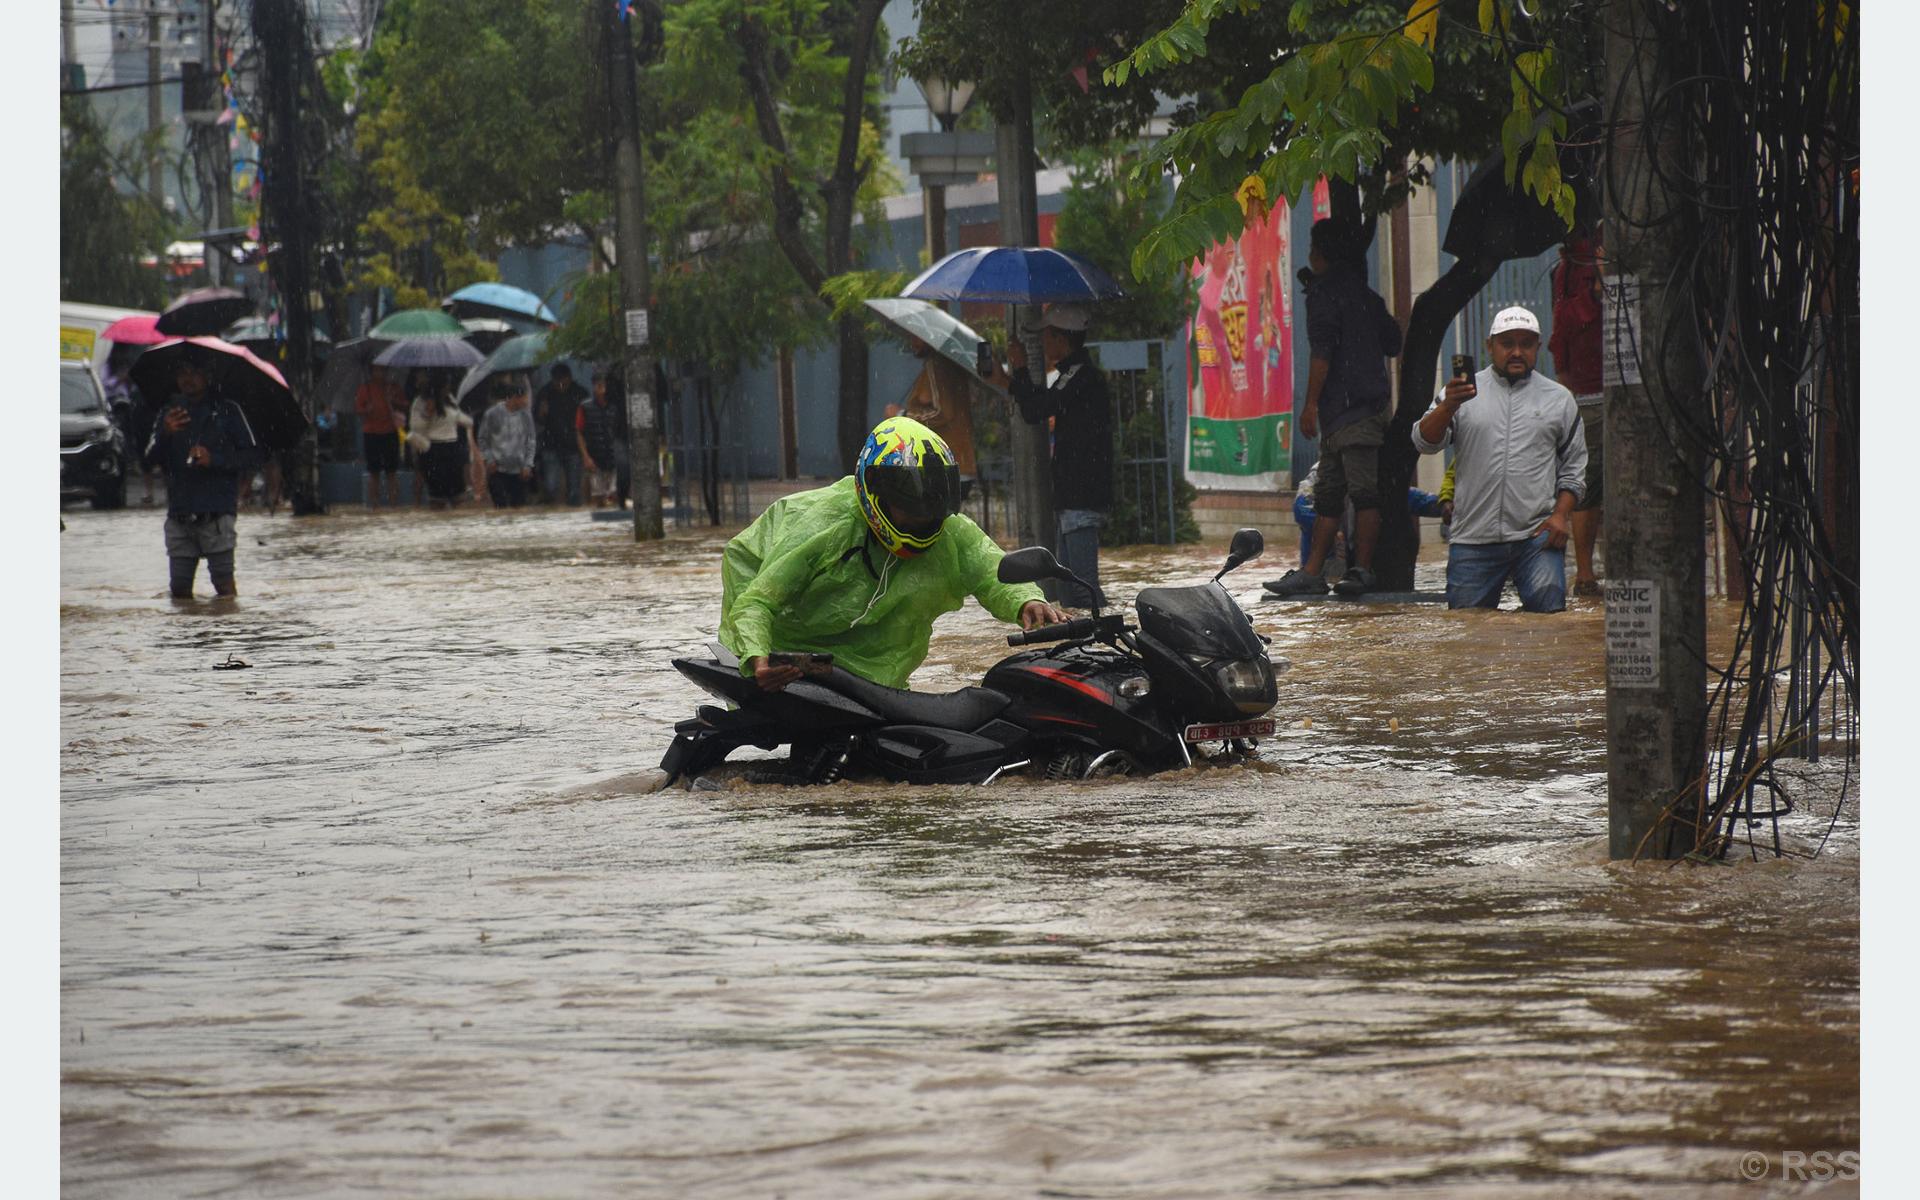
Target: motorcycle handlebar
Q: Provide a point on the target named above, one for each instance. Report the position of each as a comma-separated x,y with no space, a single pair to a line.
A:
1078,627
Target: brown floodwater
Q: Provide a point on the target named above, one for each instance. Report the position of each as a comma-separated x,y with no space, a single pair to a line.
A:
390,913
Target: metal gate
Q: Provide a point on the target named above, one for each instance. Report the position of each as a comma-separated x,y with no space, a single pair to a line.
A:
703,442
1146,428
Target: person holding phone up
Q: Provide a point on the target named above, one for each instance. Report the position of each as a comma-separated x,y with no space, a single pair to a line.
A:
1521,458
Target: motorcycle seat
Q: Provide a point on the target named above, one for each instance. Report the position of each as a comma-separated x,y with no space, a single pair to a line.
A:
969,708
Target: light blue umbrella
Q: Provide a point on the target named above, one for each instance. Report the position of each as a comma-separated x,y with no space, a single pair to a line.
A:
1014,275
522,353
498,300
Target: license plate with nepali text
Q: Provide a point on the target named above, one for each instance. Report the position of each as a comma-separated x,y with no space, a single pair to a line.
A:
1235,729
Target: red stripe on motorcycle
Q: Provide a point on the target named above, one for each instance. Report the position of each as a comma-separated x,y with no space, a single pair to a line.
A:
1074,681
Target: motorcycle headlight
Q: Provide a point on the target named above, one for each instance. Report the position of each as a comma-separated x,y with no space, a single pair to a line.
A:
1248,683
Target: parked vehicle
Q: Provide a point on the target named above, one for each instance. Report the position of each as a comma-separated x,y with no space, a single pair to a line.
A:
95,459
1104,698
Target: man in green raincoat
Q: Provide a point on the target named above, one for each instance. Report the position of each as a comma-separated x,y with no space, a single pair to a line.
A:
861,568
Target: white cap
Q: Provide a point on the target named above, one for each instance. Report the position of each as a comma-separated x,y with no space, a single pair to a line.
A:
1071,317
1514,318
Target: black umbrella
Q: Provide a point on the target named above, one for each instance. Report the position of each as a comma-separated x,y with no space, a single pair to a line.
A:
239,375
204,313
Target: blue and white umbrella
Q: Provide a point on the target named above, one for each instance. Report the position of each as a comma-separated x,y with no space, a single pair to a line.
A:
1014,275
498,300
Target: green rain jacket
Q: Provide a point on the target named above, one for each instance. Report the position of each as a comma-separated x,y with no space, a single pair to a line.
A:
807,576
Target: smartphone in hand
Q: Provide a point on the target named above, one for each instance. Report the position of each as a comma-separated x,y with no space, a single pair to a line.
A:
983,359
1463,369
805,660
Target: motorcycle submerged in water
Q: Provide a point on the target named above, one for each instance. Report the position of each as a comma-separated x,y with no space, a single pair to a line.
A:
1101,696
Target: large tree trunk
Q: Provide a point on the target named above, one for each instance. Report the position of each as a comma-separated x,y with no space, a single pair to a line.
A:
1433,312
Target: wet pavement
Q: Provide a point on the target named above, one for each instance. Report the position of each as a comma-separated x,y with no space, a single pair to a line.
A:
387,913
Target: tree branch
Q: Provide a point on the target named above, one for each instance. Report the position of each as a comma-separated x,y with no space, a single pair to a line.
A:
788,209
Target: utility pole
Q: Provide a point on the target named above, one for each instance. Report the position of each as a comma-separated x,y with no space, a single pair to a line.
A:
1020,226
155,185
69,49
280,30
200,108
1656,512
630,220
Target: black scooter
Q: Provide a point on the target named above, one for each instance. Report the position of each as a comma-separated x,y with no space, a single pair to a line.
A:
1103,698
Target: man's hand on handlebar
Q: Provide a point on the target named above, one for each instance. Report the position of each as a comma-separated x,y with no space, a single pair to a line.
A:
1035,613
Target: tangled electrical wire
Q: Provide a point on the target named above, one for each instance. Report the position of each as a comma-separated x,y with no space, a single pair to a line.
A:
1747,151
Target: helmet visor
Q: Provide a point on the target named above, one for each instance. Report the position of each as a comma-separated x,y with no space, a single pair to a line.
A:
919,499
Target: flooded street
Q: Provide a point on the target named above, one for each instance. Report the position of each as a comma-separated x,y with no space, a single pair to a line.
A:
386,914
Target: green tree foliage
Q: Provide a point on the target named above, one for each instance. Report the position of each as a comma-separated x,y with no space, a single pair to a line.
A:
104,233
484,123
1060,47
1358,91
1103,220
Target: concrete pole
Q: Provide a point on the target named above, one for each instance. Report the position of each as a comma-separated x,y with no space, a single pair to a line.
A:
1020,226
69,49
1655,563
630,219
217,165
935,197
155,183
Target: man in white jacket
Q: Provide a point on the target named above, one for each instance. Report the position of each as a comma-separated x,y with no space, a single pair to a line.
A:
1520,467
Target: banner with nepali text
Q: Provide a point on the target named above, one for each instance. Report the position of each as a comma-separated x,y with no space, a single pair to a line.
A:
1240,358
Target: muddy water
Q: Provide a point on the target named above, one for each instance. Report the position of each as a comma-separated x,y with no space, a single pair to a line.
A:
384,914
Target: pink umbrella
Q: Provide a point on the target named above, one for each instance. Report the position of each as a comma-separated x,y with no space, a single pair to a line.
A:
137,330
253,383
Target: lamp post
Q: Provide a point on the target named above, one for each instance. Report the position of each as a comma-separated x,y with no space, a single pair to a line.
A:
946,157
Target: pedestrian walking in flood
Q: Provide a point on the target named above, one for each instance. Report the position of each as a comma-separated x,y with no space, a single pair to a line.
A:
1351,336
441,434
597,428
203,443
554,409
507,442
378,403
1521,459
941,398
1082,411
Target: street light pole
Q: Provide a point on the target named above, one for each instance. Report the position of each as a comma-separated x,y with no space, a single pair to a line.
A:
630,236
1020,226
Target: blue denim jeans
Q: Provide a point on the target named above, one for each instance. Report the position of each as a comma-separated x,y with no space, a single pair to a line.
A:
1476,574
1080,553
557,469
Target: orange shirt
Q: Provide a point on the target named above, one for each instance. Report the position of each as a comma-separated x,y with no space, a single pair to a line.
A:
374,403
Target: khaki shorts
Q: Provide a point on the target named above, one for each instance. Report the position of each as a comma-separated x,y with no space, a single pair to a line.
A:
199,535
1350,466
1593,418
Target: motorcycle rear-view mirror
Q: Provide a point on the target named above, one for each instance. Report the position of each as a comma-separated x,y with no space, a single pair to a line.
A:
1030,564
1247,544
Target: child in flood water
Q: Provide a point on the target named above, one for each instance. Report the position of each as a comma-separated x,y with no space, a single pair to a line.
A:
203,443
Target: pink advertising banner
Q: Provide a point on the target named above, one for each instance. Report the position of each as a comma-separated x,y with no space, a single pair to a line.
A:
1240,360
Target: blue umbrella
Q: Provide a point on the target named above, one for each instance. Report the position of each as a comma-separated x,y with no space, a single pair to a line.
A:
498,299
522,353
1013,275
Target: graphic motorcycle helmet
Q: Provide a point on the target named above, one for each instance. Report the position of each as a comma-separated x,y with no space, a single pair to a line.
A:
908,485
